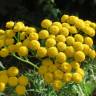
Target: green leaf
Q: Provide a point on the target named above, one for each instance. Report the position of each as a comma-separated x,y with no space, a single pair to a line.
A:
1,65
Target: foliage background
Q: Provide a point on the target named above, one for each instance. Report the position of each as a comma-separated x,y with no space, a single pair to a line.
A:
32,12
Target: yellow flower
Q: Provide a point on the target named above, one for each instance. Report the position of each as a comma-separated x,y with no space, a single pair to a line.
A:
88,22
52,52
88,41
91,53
19,26
20,90
51,36
17,46
23,51
50,42
79,56
72,20
69,51
29,30
9,24
78,46
47,62
2,86
86,49
43,34
2,37
33,36
34,44
23,80
80,71
13,71
52,68
57,24
64,18
61,57
9,41
54,29
26,43
93,25
46,23
86,25
89,31
75,65
1,43
22,35
73,30
11,48
80,24
79,38
58,74
60,38
41,52
12,81
66,67
2,32
67,77
64,31
10,33
4,78
66,25
70,40
57,84
4,52
48,77
4,72
76,77
61,46
42,70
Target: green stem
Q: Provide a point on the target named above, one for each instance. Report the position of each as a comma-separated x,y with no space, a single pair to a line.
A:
15,38
26,61
18,36
80,89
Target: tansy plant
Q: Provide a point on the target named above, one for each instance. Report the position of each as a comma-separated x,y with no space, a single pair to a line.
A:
60,46
11,79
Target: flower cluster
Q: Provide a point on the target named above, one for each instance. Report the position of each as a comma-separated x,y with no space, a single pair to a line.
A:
61,46
11,78
68,44
14,38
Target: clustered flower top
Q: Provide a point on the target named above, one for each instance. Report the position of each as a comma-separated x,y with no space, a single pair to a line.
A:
12,78
70,39
61,46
